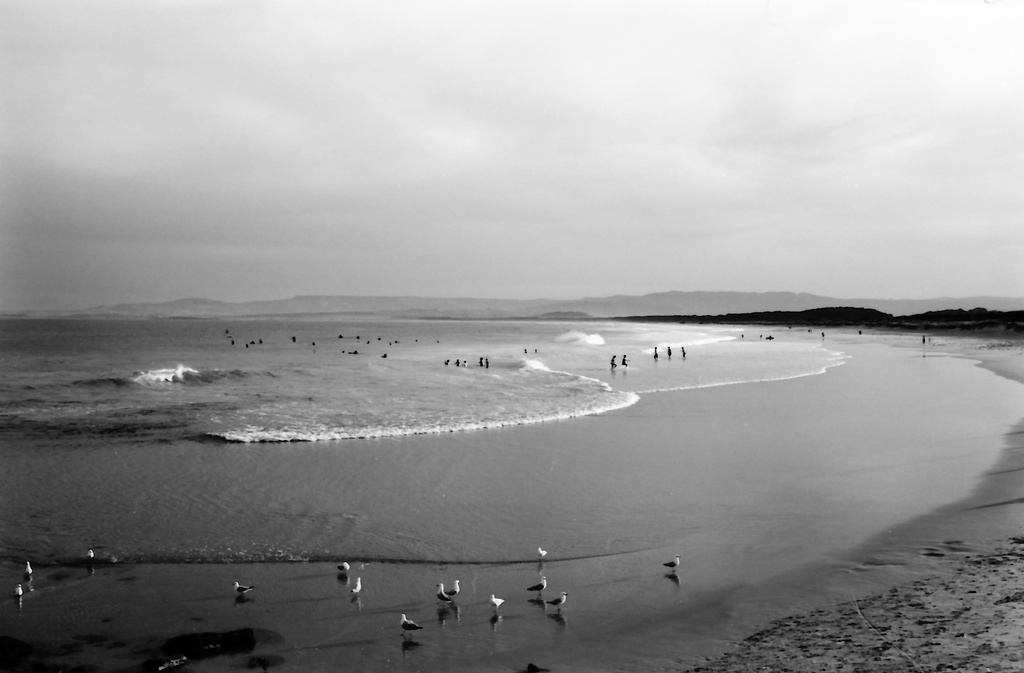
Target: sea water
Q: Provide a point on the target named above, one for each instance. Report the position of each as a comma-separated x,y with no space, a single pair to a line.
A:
288,381
190,454
118,429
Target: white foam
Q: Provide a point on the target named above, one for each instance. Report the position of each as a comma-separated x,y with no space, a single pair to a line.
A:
591,407
577,337
170,375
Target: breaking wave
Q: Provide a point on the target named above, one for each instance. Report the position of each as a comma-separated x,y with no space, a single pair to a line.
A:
582,338
186,374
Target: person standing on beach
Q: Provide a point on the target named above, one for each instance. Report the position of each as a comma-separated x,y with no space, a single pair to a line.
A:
655,353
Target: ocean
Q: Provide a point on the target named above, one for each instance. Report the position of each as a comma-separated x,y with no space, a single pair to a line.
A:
99,394
242,449
286,381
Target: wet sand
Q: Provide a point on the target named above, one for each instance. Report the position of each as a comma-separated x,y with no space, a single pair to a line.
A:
964,610
625,611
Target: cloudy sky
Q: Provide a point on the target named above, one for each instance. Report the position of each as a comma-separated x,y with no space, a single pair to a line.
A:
241,150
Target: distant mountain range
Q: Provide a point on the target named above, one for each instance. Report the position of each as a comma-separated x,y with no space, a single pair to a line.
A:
656,304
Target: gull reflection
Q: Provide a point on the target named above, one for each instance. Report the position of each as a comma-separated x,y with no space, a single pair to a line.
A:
446,611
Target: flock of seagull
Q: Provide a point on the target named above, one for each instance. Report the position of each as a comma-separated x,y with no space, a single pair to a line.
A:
447,596
444,596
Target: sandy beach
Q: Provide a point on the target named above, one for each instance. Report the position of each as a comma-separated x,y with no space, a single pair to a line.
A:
965,618
883,574
964,615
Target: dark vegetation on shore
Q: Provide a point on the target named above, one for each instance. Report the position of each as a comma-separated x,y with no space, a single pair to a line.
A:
973,320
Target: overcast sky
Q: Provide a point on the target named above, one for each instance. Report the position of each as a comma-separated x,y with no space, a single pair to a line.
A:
151,151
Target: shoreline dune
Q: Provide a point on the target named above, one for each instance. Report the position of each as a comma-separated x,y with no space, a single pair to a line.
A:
623,612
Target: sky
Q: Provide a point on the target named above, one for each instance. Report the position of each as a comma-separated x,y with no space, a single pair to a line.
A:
247,150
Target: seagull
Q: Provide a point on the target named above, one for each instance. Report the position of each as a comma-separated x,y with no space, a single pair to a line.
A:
89,555
540,586
242,589
18,591
441,595
454,590
409,625
672,564
344,567
541,553
558,602
358,587
496,602
28,569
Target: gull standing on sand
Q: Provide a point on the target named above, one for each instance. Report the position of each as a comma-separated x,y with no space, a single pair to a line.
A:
541,553
672,564
441,594
28,570
540,586
558,602
496,602
242,589
18,592
454,590
409,625
344,567
358,587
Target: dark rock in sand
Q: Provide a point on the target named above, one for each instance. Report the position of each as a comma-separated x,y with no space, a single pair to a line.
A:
200,645
12,651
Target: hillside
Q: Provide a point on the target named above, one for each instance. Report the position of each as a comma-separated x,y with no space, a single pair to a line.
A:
977,319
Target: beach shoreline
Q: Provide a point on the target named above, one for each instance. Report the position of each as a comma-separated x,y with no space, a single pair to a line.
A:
963,615
964,618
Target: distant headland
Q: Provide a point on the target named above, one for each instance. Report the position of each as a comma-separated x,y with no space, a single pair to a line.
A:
972,320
